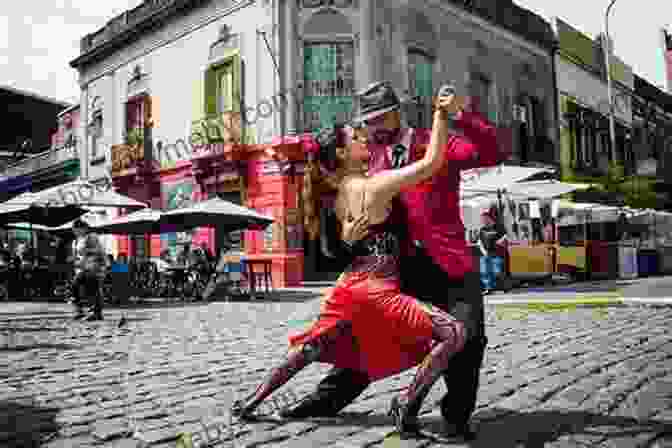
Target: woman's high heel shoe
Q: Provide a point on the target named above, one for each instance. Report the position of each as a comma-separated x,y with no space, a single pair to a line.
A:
405,424
241,411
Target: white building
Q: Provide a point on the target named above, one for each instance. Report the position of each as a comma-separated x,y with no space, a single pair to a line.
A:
193,57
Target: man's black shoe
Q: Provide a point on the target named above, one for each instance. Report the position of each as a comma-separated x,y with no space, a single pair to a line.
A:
310,406
94,318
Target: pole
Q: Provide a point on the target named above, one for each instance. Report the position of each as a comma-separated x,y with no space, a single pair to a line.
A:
606,49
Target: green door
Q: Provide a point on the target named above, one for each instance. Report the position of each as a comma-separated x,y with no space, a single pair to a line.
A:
329,84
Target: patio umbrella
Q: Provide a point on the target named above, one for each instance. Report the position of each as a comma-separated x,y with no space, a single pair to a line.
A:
85,194
28,208
140,222
214,212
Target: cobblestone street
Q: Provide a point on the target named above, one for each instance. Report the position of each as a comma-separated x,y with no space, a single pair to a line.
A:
597,377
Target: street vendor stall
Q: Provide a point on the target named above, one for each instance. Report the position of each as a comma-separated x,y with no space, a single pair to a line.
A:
532,253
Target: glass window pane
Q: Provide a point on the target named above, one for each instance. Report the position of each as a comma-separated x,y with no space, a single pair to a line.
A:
225,94
329,84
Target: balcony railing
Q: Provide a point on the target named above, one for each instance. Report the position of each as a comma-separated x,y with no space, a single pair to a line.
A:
41,161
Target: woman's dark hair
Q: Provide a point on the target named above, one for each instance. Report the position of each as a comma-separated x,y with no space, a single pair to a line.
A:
329,139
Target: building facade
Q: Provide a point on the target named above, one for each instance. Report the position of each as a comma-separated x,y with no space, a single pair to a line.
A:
585,149
30,162
181,98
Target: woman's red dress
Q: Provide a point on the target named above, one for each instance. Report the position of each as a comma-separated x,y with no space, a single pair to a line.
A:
392,331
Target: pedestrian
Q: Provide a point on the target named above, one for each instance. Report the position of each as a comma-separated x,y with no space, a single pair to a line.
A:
89,268
491,263
437,265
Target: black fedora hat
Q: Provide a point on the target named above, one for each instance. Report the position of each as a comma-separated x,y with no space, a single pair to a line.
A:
375,100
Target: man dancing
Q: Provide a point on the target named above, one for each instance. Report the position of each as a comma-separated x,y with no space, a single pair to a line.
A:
438,265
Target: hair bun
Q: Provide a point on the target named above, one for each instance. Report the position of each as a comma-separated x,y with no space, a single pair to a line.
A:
329,139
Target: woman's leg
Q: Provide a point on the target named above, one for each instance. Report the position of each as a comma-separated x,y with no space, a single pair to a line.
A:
451,336
295,361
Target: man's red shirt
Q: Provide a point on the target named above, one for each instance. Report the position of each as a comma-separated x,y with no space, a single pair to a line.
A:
432,209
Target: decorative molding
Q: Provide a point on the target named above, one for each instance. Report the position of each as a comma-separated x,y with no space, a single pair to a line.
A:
138,83
225,41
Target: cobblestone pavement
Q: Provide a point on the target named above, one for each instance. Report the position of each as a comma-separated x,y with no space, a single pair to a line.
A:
584,377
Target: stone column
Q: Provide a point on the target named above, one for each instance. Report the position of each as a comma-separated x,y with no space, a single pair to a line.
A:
289,84
84,135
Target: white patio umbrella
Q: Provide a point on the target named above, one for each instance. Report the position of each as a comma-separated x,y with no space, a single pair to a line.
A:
214,212
140,222
85,194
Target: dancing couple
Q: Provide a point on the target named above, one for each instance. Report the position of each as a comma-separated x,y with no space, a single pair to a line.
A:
399,214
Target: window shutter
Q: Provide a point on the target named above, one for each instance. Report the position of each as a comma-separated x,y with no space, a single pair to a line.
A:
237,82
210,93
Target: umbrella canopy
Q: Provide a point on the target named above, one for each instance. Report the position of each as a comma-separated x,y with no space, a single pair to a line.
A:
85,194
140,222
27,208
214,212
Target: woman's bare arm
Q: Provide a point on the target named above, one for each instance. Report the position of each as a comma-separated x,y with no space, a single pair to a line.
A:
384,186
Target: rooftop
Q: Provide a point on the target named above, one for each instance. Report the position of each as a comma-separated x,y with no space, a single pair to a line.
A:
35,96
151,14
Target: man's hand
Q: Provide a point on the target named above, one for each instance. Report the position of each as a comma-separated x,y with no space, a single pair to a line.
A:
449,105
355,230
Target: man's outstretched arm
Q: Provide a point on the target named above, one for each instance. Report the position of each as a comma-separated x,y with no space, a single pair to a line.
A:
484,148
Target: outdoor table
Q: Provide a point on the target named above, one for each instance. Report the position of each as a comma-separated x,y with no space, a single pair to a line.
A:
252,274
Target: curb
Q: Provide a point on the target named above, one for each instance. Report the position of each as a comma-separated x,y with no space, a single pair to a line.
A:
592,301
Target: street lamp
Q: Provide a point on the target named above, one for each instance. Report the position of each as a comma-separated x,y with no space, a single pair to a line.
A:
606,49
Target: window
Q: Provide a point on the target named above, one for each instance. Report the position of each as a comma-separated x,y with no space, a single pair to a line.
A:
329,84
135,114
225,96
223,86
95,131
420,79
479,91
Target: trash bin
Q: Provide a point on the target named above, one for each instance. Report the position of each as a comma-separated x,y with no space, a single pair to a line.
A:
647,262
599,260
627,261
665,259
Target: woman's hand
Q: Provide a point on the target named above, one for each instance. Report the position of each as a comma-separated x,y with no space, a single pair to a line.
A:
356,230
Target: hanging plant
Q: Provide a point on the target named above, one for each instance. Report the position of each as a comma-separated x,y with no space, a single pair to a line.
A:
135,137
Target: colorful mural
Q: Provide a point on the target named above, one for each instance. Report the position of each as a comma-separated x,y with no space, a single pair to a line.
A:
177,195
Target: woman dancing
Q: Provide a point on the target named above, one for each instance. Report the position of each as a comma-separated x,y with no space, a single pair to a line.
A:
365,322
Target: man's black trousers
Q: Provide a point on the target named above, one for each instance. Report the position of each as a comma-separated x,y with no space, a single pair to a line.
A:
462,298
86,289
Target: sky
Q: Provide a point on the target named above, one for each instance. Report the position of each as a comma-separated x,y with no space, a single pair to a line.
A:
38,38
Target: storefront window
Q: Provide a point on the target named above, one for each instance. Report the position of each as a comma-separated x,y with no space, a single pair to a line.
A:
329,84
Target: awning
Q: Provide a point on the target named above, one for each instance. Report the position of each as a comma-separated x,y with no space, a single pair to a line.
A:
491,180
